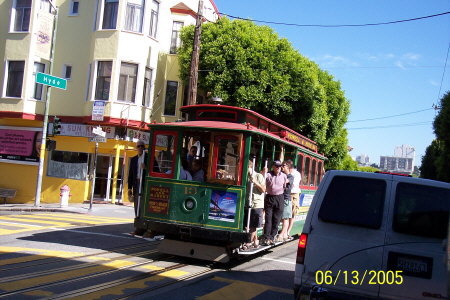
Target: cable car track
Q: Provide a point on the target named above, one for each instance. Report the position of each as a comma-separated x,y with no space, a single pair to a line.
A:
143,244
158,255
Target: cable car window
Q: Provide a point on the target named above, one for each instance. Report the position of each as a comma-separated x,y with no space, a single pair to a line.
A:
313,171
300,163
226,157
305,175
163,158
319,172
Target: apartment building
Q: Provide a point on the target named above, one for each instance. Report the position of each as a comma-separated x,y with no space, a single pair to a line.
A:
119,60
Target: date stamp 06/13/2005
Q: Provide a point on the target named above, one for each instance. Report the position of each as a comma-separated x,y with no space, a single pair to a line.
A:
371,277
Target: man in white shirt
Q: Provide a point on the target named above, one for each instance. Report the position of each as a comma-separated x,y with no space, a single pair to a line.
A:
295,193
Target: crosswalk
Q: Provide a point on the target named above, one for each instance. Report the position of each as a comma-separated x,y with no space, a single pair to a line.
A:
21,223
85,279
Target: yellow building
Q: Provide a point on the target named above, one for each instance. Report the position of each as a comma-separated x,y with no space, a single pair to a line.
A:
119,59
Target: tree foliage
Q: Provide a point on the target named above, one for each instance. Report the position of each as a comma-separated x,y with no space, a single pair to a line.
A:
251,67
436,161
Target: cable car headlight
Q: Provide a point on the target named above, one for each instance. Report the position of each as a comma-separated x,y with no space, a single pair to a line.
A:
190,203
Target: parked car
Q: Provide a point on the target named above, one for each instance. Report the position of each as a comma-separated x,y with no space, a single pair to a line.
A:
374,235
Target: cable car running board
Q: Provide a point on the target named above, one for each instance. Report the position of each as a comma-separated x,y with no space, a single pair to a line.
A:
194,250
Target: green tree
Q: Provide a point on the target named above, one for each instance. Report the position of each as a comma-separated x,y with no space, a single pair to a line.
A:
348,164
251,67
429,167
436,161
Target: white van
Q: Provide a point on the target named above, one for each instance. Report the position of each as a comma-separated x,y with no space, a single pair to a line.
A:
373,235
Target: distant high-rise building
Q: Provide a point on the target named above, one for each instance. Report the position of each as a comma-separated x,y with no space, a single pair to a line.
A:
404,151
401,162
363,160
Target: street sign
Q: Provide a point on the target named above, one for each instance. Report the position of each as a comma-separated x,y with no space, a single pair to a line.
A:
98,110
50,80
97,139
98,131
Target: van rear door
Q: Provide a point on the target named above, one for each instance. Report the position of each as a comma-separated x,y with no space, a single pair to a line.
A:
416,240
347,234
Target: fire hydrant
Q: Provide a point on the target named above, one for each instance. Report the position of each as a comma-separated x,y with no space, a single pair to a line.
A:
64,195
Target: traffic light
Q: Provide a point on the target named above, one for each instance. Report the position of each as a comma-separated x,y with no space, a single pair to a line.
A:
56,125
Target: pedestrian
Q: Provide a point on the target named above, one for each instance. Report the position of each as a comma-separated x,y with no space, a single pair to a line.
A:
276,181
295,195
136,175
287,211
192,154
184,169
256,205
197,172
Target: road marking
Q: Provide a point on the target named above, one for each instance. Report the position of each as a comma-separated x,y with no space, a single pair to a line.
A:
64,218
278,260
21,224
30,282
31,254
54,222
24,218
139,284
89,217
241,290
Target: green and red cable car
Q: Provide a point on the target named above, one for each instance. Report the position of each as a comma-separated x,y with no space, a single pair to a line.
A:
204,218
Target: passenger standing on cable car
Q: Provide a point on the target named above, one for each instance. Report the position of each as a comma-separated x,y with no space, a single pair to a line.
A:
256,204
136,174
276,181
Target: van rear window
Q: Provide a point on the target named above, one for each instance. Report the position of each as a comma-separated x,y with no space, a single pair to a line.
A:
354,201
421,210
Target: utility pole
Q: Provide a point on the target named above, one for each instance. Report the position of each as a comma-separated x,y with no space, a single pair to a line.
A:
193,75
37,200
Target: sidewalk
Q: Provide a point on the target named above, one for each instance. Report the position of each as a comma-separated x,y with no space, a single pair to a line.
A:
104,209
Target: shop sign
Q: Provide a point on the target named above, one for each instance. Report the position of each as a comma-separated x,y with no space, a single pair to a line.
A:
82,130
135,135
20,144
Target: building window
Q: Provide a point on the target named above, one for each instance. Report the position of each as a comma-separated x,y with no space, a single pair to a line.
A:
67,72
15,78
154,19
170,103
127,82
38,88
72,165
74,6
22,12
135,15
147,87
45,6
103,80
175,41
110,14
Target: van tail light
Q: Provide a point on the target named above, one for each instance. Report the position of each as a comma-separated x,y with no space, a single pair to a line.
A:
302,248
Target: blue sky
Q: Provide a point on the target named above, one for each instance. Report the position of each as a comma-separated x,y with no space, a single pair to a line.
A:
384,70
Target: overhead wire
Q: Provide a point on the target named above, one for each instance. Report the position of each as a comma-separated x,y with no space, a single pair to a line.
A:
337,25
392,126
391,116
443,73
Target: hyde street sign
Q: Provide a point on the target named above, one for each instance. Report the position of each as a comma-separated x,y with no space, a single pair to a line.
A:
50,80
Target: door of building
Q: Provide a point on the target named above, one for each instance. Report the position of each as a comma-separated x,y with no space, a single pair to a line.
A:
104,178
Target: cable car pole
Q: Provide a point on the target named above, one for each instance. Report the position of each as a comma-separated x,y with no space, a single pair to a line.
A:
193,75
